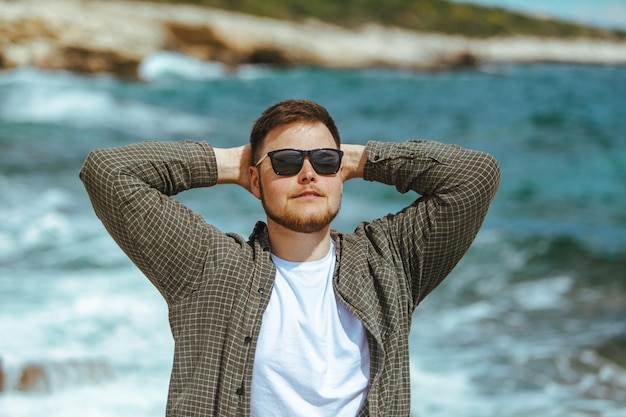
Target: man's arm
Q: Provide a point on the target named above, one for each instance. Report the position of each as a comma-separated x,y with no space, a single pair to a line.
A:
455,187
129,188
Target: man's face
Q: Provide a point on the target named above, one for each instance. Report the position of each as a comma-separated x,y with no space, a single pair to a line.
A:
305,202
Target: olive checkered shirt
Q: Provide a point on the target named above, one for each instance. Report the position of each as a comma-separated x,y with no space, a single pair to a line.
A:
217,285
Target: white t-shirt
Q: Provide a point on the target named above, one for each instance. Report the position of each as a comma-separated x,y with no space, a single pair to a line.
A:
312,357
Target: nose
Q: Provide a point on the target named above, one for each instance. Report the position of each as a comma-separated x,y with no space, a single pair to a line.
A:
307,173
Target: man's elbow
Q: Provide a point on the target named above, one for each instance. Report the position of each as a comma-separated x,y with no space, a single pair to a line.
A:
97,171
489,174
93,164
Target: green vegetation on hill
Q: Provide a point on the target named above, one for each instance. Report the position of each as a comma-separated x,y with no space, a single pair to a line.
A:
441,16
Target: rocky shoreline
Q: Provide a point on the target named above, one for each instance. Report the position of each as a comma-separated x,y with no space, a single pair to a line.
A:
92,36
44,377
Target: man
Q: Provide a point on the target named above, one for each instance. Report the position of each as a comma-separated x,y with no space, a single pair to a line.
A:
299,320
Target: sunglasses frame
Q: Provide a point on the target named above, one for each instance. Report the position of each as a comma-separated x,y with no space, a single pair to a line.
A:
303,154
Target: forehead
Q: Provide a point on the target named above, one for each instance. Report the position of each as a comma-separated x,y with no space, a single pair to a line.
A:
300,135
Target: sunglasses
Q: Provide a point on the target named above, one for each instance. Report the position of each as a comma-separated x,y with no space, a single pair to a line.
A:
287,162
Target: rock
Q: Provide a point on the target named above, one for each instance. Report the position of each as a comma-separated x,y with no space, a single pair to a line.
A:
3,378
74,35
463,60
50,376
33,378
81,59
614,350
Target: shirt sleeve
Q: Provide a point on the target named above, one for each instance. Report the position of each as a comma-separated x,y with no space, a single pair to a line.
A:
456,187
130,189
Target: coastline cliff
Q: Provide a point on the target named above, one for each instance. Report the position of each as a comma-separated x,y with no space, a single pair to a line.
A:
93,36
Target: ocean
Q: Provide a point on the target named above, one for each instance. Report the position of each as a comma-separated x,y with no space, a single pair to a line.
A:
532,322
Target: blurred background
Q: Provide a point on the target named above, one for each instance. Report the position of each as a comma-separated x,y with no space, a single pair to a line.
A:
531,323
601,13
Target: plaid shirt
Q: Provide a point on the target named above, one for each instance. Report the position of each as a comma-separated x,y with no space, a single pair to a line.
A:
217,285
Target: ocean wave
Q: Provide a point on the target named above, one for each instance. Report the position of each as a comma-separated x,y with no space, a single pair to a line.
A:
58,98
162,66
539,315
52,228
67,316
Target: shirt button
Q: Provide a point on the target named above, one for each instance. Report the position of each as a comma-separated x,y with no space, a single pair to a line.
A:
261,290
247,339
240,391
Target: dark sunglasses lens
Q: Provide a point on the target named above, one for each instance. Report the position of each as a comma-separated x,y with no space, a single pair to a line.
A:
289,161
326,161
286,162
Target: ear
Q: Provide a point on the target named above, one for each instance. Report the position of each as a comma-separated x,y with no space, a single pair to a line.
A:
255,187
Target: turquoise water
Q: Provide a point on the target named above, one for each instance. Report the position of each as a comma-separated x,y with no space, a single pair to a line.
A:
532,322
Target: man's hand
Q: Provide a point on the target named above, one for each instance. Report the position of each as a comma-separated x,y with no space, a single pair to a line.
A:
354,159
233,164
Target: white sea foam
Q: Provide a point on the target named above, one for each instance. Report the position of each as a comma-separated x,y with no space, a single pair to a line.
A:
433,391
31,96
549,293
35,220
116,317
121,397
48,228
164,64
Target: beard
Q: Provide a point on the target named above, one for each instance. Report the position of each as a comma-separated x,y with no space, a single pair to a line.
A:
294,220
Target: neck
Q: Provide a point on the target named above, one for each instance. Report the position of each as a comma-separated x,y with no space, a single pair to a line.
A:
296,246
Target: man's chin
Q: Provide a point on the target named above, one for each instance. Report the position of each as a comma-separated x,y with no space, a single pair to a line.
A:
302,223
307,226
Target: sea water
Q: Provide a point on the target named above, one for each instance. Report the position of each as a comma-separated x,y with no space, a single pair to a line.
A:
532,322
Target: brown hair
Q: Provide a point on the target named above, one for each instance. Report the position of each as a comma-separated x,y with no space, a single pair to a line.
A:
287,112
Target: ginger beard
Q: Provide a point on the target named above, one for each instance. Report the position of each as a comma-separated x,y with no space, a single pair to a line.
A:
293,219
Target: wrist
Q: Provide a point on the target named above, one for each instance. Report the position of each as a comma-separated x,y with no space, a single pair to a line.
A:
232,164
353,161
